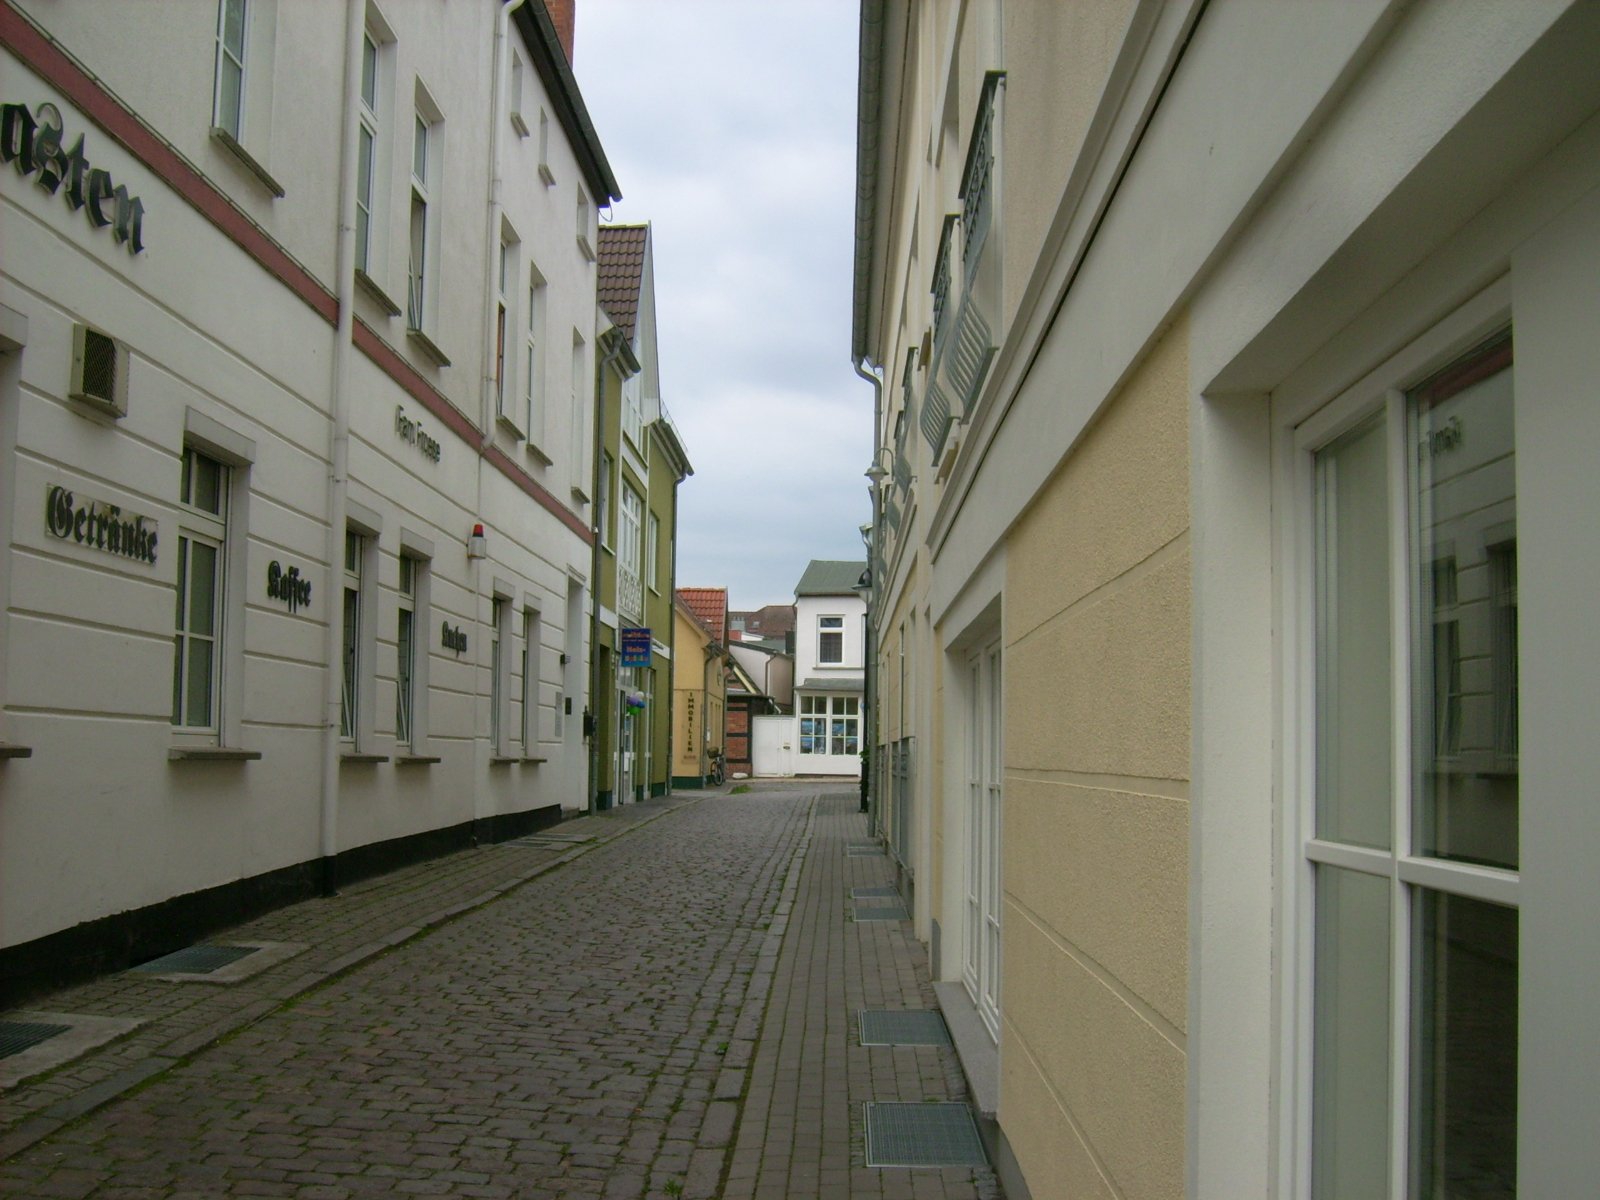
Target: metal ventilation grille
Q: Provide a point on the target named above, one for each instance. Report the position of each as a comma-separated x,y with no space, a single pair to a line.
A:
903,1027
196,960
922,1135
881,912
99,365
889,892
17,1036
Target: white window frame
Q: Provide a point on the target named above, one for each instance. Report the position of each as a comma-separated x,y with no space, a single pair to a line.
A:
533,389
982,885
545,173
630,541
517,75
418,552
210,437
652,552
532,655
828,708
232,123
1303,430
499,670
506,314
357,727
408,635
602,506
633,411
585,225
422,264
205,527
824,629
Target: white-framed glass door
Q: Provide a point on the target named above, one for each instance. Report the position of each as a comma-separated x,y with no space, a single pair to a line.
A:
984,774
1406,782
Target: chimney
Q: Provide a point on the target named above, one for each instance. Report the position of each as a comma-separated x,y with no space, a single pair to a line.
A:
563,16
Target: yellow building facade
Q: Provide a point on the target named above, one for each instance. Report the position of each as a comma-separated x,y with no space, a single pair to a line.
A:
1201,696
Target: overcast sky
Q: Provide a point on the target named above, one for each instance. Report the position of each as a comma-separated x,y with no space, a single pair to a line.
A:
730,126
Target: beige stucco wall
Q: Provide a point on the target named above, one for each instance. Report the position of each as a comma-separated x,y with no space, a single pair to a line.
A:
1096,801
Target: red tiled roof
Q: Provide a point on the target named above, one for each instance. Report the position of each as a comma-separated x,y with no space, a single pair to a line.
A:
621,262
710,607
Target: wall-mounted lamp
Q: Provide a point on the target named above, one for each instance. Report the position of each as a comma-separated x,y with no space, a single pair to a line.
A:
477,547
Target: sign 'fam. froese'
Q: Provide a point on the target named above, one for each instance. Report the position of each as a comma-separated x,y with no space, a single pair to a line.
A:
35,142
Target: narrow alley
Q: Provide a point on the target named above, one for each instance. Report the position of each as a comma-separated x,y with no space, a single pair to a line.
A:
661,1000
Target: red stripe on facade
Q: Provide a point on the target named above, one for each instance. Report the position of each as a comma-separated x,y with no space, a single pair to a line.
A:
388,360
57,69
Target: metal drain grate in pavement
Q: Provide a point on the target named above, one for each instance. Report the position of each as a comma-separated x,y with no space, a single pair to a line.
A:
196,960
862,849
17,1036
922,1135
882,912
903,1027
875,893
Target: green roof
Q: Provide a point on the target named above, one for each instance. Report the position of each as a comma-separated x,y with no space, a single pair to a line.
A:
829,577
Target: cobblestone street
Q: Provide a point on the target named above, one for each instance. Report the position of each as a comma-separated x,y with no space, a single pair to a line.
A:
655,1002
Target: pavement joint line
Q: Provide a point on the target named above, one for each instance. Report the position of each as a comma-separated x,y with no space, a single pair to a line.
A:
758,994
55,1117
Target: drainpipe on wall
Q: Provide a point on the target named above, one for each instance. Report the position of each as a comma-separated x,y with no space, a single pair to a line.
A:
869,794
339,446
613,350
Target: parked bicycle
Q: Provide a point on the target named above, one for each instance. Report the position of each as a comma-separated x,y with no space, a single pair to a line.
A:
718,773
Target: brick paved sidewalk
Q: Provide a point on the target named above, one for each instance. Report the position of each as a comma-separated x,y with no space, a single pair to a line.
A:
665,1008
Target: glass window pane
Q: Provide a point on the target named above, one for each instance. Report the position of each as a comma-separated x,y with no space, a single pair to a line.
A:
1465,696
202,588
205,478
233,27
403,678
228,104
1353,634
1350,1040
369,72
177,679
419,152
1464,1124
364,173
198,697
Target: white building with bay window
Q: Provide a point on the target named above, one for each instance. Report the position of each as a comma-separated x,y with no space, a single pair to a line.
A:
829,669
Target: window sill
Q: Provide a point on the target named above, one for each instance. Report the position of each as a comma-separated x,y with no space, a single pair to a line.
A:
534,759
426,344
247,160
546,174
12,750
351,756
507,425
580,496
416,760
585,248
519,123
373,289
544,459
501,760
980,1057
211,754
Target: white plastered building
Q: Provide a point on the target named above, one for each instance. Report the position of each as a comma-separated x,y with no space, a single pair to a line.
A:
297,300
